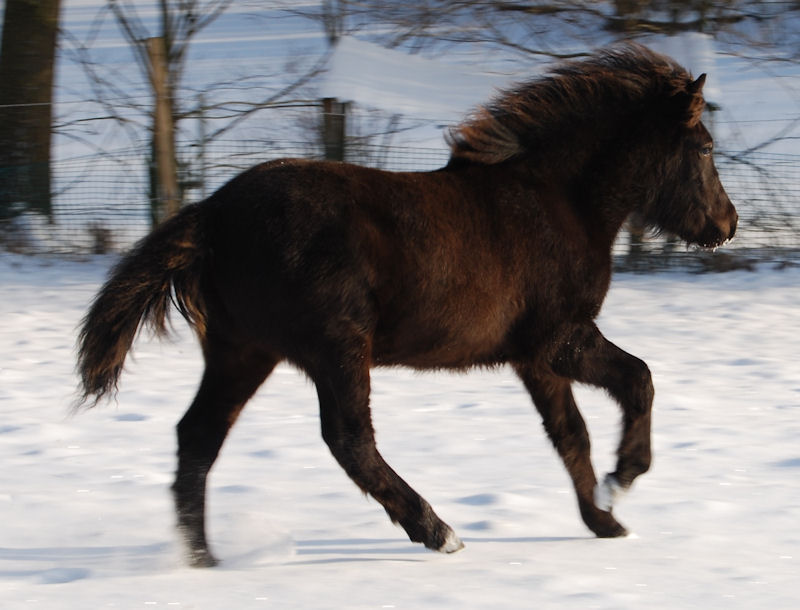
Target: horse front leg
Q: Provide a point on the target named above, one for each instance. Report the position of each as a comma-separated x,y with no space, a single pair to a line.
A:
591,358
343,387
553,398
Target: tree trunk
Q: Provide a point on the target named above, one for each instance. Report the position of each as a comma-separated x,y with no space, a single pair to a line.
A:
27,56
167,194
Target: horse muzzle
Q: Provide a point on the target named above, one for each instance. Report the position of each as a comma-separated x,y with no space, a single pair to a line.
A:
719,228
729,225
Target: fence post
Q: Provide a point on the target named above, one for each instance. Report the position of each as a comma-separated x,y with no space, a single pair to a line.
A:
334,123
163,136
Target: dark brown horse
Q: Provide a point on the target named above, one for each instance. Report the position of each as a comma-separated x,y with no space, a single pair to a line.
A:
503,256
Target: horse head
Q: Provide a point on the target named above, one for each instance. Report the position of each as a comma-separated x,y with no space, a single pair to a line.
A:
692,203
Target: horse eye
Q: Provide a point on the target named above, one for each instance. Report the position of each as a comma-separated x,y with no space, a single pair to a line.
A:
706,151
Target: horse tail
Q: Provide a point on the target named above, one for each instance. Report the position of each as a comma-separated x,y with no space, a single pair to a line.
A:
163,268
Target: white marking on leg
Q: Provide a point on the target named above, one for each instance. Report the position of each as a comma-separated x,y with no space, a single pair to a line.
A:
607,493
452,543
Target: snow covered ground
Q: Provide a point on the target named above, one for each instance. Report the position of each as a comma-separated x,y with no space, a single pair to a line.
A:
86,518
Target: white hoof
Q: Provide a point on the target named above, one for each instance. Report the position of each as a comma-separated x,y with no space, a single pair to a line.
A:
452,543
607,493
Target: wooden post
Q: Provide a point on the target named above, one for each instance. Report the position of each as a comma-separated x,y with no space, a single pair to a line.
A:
334,123
164,135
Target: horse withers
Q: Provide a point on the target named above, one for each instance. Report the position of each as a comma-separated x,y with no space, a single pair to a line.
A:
501,257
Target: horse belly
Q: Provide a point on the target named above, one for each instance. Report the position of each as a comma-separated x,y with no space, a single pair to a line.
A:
447,337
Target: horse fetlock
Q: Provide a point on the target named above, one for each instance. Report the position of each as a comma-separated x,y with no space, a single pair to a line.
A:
443,539
431,531
201,559
195,546
608,492
452,543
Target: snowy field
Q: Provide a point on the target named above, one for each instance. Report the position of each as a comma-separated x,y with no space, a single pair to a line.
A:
86,517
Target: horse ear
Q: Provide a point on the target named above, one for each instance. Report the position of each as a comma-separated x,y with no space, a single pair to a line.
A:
696,102
697,86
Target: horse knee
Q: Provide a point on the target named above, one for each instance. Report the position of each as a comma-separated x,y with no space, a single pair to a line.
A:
647,388
641,386
640,462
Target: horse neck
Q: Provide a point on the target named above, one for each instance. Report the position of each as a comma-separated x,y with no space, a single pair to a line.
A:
615,159
599,189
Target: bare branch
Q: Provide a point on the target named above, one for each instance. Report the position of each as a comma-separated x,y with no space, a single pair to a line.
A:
275,99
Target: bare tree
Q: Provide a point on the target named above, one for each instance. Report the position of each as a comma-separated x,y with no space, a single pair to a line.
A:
178,24
560,28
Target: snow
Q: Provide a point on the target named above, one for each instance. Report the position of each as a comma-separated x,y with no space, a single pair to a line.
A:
86,517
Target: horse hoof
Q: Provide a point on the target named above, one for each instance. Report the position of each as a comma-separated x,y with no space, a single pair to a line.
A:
452,543
611,530
202,559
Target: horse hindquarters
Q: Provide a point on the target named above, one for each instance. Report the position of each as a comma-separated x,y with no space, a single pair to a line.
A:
232,374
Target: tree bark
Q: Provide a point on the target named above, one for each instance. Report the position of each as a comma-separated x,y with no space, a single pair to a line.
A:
27,56
167,192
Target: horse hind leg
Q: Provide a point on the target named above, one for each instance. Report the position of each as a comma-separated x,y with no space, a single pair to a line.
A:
343,387
231,376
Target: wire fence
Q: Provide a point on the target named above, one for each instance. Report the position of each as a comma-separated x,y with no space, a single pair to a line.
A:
102,203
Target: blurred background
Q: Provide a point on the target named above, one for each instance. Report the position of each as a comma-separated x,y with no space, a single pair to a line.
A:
114,113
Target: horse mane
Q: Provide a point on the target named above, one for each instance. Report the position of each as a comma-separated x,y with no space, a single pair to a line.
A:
621,79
